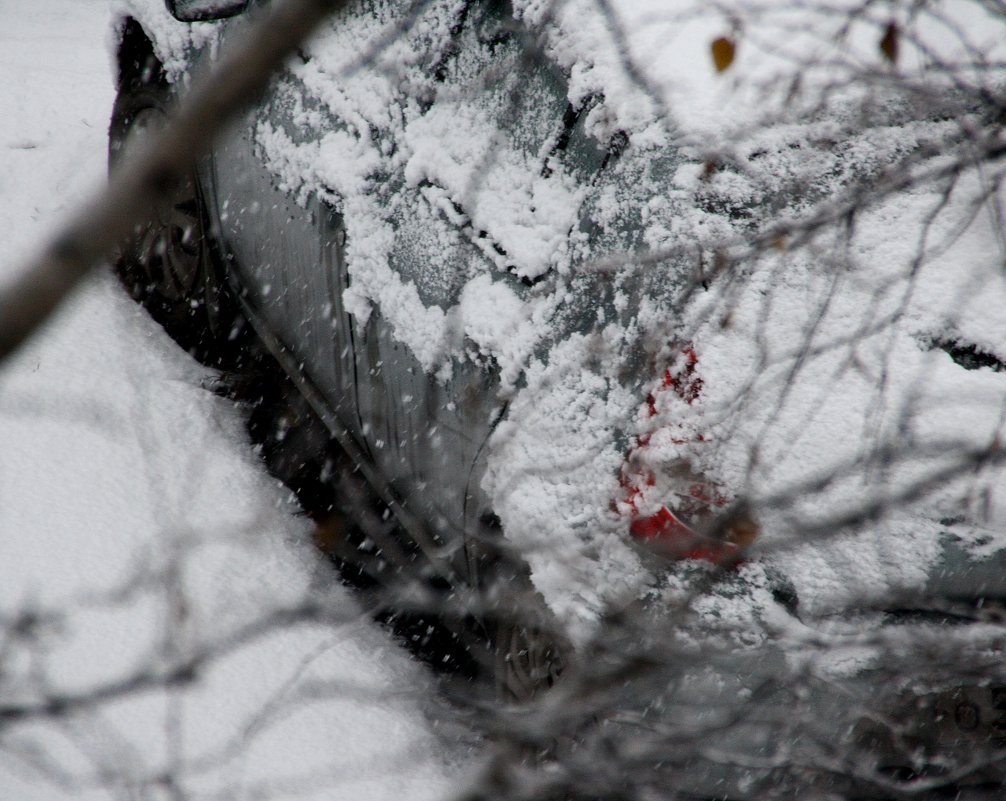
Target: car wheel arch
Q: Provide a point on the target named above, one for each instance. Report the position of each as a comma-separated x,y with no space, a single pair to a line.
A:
136,57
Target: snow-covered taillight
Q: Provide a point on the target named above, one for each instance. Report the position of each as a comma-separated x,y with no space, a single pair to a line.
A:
667,499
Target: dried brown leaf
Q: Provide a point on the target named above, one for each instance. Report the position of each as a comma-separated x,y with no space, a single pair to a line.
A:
723,50
889,42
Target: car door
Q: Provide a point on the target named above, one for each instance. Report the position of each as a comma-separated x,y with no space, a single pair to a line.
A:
288,253
286,246
424,428
286,243
496,110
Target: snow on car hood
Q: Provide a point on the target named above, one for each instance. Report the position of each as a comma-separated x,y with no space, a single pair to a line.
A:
818,356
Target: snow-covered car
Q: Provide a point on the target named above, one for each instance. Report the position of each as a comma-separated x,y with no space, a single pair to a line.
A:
405,244
530,306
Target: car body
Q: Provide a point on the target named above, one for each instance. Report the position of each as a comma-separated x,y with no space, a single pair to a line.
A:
406,359
490,273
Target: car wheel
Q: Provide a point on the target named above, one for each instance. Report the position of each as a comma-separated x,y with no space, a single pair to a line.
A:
528,662
171,266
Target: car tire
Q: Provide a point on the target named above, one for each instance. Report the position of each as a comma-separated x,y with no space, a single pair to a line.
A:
172,266
528,661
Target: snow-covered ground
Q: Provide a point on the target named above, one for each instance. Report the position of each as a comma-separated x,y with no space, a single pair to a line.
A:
137,528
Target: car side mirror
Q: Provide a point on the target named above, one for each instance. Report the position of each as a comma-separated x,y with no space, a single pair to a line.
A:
204,10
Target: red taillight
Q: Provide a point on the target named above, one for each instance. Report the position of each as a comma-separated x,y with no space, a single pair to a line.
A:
686,501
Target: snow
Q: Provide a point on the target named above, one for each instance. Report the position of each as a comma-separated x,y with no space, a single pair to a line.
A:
807,415
139,527
173,40
552,458
804,370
